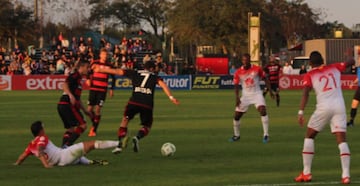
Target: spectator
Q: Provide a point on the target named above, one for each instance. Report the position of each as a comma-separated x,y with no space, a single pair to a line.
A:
232,70
303,69
60,66
146,58
287,69
3,70
52,69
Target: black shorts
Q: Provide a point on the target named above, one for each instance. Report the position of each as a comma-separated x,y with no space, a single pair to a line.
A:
146,114
96,98
357,94
274,87
70,115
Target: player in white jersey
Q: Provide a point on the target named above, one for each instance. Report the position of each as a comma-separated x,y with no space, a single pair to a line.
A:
330,108
51,155
249,76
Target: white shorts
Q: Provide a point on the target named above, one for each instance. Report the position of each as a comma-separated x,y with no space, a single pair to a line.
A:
320,118
71,154
255,99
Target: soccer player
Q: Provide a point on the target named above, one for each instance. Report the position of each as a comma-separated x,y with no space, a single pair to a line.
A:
355,100
273,71
249,76
98,83
141,101
50,155
69,107
330,108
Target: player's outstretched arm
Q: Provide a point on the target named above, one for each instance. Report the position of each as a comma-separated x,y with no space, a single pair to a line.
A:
167,91
21,158
119,72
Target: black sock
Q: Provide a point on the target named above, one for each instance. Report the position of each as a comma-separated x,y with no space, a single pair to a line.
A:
352,114
96,122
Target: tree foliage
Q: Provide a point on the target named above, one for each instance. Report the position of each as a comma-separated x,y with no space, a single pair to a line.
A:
16,23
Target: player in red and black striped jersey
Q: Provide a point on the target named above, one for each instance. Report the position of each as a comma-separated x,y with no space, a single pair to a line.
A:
69,107
98,83
141,101
273,71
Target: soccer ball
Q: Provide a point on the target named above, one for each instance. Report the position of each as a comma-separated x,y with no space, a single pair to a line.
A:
168,149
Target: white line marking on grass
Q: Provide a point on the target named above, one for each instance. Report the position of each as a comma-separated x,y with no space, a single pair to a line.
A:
294,184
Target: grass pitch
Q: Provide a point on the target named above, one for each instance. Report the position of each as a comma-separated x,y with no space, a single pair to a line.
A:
199,127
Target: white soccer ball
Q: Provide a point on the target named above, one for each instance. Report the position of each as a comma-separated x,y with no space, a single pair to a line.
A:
168,149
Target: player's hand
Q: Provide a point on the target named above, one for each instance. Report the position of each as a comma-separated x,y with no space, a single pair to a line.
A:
88,82
111,93
174,100
351,85
48,166
96,69
301,120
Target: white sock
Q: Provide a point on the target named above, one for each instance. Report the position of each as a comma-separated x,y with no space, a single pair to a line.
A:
84,160
265,124
308,154
345,159
105,144
236,127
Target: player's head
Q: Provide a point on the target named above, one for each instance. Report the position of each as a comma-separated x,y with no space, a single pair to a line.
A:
36,128
83,67
316,59
103,54
150,65
272,59
245,59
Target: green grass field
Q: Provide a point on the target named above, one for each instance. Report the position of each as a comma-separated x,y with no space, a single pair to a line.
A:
199,127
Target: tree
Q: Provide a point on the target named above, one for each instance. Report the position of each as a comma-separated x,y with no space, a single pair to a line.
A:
17,23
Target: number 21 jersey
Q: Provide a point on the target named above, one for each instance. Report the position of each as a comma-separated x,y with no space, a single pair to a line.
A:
326,82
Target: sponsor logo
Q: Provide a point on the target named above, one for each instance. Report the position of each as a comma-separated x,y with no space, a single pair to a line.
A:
284,82
47,83
122,82
5,82
177,82
206,82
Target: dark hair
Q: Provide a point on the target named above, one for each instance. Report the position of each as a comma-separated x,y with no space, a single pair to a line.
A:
316,58
247,55
36,127
149,64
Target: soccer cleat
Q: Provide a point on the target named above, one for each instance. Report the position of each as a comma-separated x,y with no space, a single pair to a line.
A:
92,133
98,162
234,138
266,139
117,150
350,124
345,180
135,141
303,178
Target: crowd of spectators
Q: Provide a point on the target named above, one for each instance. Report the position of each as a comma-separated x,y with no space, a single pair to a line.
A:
63,54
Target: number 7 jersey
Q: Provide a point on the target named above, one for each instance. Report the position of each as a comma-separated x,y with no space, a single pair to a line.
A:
144,83
326,82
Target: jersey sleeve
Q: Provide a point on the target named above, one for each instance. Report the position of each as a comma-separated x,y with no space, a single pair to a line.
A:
340,66
307,81
261,73
236,77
